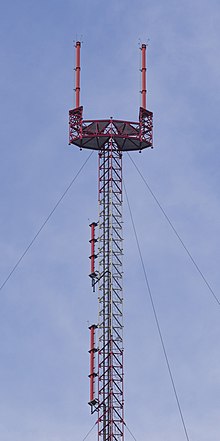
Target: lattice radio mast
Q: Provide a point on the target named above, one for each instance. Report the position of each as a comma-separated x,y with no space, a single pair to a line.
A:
110,138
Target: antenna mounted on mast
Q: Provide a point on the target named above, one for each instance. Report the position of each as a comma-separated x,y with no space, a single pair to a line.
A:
110,137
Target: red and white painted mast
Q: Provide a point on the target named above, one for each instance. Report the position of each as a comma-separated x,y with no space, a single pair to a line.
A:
110,138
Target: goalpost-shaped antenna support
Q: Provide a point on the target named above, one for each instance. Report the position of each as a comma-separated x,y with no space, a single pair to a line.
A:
110,138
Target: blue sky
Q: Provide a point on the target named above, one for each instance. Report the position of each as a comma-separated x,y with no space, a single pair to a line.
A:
47,303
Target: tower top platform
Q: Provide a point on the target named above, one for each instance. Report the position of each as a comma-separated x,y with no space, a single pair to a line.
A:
127,135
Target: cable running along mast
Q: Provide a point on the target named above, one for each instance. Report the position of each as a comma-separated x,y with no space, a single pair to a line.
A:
110,138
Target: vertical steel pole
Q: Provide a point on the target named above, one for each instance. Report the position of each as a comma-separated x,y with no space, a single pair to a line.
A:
92,373
143,76
93,255
77,88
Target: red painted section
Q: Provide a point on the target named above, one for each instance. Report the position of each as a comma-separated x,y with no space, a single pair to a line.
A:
93,241
92,373
143,76
92,248
77,88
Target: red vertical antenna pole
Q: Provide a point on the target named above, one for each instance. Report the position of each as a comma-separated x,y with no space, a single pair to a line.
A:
143,76
77,88
93,374
93,256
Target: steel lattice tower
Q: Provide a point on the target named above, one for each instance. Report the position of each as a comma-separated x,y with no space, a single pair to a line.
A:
110,138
